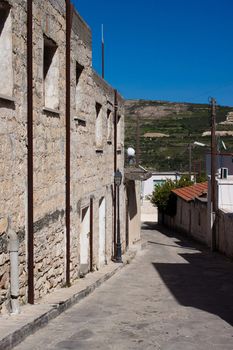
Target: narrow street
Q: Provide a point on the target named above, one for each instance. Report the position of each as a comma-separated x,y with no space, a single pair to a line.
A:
174,296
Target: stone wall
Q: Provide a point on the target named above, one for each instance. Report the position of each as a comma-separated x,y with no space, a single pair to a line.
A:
92,167
13,153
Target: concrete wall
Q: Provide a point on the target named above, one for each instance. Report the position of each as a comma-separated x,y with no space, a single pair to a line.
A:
190,218
133,189
224,233
193,218
91,167
225,194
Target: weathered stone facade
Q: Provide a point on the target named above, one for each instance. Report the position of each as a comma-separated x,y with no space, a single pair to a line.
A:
92,150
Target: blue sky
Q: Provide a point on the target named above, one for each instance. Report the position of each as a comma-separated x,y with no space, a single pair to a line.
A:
173,50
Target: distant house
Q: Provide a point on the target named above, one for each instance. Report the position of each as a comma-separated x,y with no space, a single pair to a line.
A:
158,178
223,160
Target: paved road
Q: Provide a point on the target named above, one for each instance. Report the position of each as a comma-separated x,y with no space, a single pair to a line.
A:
173,296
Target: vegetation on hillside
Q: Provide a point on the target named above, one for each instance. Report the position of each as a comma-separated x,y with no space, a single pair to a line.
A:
184,123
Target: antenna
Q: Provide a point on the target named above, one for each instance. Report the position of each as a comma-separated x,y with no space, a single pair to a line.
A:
102,34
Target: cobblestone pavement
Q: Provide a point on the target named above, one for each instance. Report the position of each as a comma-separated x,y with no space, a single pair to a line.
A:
174,296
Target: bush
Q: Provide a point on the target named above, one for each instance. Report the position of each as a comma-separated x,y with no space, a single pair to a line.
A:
164,199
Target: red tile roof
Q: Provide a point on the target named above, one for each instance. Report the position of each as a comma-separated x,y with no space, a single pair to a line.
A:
190,192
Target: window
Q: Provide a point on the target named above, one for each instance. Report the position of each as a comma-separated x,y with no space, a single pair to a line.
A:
158,182
98,126
51,74
79,70
109,126
6,71
119,132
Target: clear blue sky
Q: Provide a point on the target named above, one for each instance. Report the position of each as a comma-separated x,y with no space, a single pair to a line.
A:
174,50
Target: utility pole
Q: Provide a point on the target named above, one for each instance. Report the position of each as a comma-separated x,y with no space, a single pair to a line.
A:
137,142
190,161
213,173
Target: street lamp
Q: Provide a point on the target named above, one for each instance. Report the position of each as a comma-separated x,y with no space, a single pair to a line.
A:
117,181
131,155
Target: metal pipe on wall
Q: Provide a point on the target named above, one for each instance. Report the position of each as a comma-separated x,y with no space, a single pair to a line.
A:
115,168
14,271
67,156
91,233
30,243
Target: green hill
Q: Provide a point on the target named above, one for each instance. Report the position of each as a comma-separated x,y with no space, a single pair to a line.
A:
179,124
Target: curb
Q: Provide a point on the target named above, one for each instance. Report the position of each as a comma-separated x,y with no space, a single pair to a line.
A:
16,337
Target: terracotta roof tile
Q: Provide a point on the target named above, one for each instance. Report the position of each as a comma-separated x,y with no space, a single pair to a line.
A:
190,192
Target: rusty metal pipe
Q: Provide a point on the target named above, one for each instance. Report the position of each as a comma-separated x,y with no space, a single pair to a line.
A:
91,233
30,244
115,169
67,155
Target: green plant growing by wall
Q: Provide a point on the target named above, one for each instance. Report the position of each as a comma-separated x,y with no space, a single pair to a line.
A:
163,198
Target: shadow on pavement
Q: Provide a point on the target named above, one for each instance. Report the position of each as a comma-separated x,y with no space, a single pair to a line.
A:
182,240
149,225
170,245
205,283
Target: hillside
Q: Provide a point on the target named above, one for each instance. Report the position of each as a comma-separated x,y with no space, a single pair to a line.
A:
167,128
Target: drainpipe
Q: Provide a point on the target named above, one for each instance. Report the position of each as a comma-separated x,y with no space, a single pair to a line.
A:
115,166
67,200
91,233
30,231
14,271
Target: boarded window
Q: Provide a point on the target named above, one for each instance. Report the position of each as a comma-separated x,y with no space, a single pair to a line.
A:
6,66
119,132
109,125
99,126
51,74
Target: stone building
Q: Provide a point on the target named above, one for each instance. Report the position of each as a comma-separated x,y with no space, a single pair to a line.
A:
57,168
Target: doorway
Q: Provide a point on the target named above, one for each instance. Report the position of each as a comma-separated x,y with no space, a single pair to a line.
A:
102,231
85,241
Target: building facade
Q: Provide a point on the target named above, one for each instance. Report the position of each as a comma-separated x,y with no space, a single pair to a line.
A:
57,177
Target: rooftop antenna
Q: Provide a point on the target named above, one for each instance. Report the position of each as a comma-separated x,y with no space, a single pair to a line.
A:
102,34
